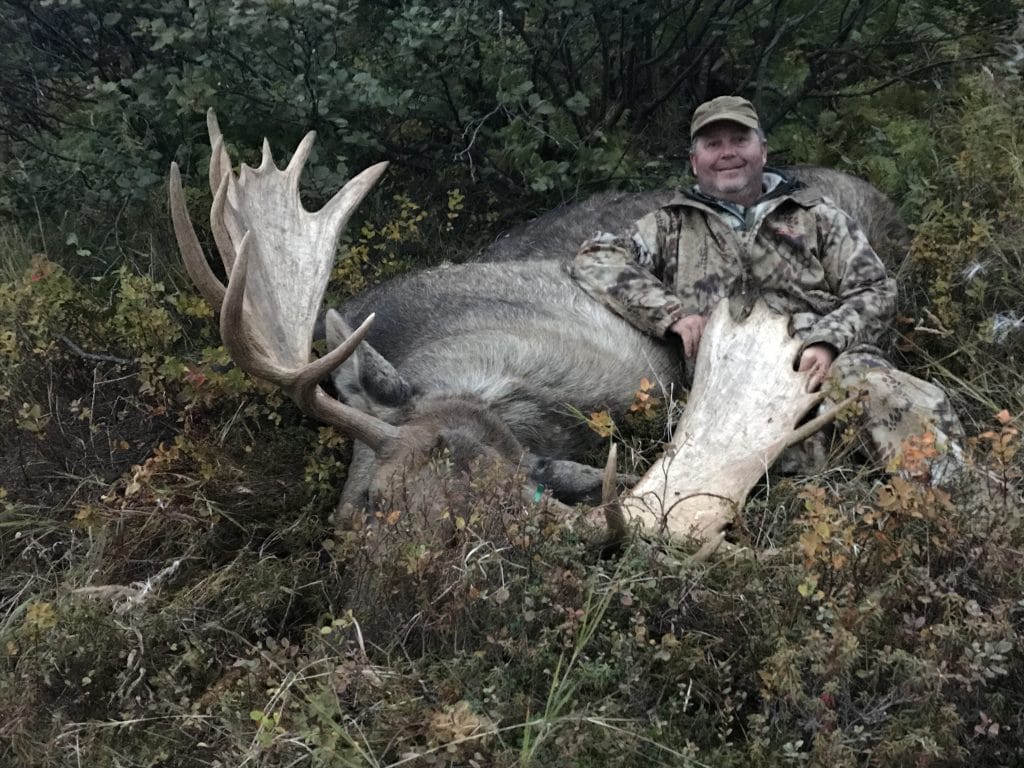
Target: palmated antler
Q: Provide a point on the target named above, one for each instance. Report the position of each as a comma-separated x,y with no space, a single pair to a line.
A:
278,257
744,410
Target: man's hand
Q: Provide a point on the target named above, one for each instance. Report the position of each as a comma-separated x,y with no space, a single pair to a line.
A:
817,358
689,329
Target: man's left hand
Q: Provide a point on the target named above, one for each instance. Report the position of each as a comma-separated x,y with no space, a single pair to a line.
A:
817,358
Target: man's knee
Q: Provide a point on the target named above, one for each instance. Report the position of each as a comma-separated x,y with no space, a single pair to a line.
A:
898,409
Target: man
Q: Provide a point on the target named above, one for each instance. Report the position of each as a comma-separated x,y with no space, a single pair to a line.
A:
744,232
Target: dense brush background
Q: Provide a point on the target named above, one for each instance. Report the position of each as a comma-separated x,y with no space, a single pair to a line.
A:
173,588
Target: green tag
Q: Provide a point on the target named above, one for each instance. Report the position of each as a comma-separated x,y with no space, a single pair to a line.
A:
538,494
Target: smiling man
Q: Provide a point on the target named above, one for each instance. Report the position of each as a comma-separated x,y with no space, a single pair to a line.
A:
745,232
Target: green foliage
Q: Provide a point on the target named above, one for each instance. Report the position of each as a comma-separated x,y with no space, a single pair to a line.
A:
966,257
385,250
534,101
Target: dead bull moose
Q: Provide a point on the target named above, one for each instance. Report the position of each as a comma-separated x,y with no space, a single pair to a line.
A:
476,361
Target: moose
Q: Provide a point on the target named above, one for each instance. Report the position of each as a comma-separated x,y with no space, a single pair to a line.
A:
491,361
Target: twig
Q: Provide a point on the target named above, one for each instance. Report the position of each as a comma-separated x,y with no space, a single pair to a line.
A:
94,356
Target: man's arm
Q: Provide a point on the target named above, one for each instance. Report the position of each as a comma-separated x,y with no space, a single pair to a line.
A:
858,278
623,272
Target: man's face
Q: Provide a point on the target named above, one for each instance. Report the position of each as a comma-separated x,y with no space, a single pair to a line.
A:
728,160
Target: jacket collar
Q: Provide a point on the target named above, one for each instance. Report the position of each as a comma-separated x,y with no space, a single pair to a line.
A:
777,185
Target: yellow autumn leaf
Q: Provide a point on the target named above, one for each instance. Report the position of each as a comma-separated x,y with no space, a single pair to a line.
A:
601,422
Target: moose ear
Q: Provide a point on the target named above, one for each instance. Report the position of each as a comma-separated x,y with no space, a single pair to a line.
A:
365,379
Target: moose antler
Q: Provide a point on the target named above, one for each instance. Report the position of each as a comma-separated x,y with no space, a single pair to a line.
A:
278,257
743,411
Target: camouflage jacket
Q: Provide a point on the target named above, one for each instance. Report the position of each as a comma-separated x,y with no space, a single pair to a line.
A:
797,251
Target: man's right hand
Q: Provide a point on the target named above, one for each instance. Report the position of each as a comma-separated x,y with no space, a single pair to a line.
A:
689,329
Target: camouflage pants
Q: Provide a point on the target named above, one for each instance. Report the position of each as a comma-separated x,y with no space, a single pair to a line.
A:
906,424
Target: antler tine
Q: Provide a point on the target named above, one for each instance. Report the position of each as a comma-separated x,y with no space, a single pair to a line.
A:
219,159
221,236
242,342
614,520
319,369
298,161
345,200
196,265
267,160
818,422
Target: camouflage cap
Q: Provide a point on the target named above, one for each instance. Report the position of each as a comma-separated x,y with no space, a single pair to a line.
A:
732,108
